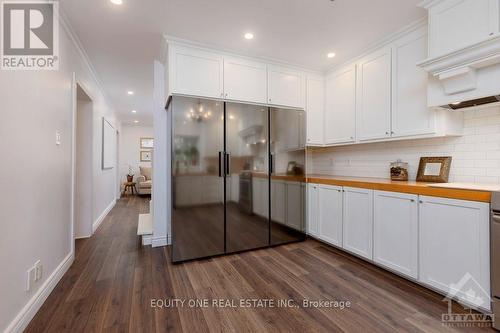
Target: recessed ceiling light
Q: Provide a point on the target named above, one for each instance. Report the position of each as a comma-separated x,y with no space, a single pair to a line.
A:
133,111
136,121
130,92
117,2
249,35
331,55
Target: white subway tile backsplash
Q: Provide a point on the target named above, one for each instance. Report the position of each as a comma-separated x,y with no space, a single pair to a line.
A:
476,154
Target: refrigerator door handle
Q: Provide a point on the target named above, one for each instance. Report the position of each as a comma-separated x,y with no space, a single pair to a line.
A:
227,164
220,164
271,163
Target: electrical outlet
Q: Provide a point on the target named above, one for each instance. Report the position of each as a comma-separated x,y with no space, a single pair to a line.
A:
30,278
38,270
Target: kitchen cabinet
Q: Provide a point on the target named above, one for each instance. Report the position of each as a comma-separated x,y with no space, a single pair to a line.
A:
260,196
330,217
373,107
286,87
340,106
455,24
315,100
288,129
410,114
278,202
454,248
245,80
395,232
312,225
195,72
294,206
358,221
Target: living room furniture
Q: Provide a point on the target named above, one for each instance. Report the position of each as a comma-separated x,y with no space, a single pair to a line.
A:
131,186
144,180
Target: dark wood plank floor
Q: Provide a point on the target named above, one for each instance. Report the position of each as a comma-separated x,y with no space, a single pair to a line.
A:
110,286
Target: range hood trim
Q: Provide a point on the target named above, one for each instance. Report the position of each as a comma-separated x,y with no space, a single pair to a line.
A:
479,55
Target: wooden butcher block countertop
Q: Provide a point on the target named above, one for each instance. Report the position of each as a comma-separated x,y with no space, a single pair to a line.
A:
411,187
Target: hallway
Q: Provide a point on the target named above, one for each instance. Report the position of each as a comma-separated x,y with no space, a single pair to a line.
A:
113,280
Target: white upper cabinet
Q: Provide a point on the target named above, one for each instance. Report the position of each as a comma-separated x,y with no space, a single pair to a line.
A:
395,232
455,248
374,96
286,87
330,214
340,106
358,221
245,80
410,114
315,110
195,72
455,24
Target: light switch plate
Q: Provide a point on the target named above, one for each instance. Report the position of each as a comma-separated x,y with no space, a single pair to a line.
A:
58,138
30,278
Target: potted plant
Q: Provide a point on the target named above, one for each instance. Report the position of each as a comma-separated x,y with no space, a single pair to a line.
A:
130,174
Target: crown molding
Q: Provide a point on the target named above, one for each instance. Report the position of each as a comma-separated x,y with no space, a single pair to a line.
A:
68,28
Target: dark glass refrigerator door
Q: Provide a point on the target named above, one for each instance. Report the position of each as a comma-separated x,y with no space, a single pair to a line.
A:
247,178
197,178
287,146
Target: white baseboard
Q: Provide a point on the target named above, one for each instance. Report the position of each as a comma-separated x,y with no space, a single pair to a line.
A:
24,317
101,218
159,241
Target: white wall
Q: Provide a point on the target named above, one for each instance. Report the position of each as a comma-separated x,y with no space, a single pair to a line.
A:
476,155
35,177
130,149
161,160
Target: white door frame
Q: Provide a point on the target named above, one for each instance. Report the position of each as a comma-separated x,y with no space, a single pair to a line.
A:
74,96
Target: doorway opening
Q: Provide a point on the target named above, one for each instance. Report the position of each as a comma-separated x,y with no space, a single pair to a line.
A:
83,163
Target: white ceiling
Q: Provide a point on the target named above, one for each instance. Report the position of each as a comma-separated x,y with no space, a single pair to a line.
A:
122,41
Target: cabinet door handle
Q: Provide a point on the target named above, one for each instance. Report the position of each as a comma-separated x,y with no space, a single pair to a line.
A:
387,133
420,201
412,200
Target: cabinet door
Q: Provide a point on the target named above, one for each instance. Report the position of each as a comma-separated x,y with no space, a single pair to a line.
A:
312,210
340,106
196,72
315,110
278,201
374,96
410,114
286,87
454,248
294,206
455,24
330,214
395,232
245,80
358,221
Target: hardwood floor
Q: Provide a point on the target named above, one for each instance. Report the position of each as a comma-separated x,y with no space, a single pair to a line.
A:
113,280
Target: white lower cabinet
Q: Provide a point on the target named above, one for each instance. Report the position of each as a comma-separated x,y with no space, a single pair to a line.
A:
312,210
454,248
358,221
330,214
395,232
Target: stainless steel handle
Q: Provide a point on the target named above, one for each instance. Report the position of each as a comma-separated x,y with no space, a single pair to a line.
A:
227,164
271,163
495,218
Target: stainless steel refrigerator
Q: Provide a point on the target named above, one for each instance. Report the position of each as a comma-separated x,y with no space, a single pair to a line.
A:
237,177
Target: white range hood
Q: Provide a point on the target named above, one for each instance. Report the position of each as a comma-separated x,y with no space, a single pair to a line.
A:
463,76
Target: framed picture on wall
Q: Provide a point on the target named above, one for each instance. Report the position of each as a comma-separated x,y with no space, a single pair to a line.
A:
146,155
147,143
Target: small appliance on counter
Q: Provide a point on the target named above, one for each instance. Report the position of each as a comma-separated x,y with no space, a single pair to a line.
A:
399,170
